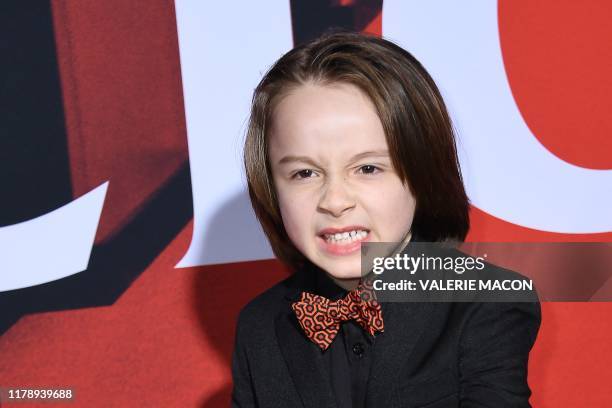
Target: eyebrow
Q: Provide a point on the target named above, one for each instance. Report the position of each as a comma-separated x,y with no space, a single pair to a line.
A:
306,159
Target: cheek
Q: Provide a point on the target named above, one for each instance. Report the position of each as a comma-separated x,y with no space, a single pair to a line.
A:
395,206
391,193
406,203
294,218
286,209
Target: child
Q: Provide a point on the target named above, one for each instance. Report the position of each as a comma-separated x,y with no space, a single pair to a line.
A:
349,141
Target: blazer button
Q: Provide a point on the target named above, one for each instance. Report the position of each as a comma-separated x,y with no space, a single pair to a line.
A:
358,349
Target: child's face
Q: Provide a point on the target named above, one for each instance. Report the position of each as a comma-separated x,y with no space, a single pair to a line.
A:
326,179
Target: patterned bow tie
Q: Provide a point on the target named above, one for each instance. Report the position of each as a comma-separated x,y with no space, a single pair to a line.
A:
320,317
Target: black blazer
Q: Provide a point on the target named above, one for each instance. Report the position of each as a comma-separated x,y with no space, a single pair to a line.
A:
430,355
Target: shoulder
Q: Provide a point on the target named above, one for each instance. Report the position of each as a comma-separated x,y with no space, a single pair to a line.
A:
505,307
507,319
495,283
508,313
265,306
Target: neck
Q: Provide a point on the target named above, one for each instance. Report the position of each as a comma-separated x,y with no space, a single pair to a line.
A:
407,239
348,284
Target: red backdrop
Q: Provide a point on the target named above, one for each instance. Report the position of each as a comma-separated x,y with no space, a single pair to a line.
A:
167,339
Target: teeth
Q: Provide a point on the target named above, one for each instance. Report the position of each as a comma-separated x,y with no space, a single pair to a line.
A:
346,237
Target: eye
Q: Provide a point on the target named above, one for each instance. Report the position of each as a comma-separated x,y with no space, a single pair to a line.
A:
302,174
369,169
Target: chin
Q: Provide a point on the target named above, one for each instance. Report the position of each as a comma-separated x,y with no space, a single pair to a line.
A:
344,274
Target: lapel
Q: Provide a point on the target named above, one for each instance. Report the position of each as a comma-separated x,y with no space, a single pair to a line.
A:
404,324
305,360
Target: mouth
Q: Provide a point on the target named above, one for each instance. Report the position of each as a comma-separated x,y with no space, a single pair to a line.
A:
343,241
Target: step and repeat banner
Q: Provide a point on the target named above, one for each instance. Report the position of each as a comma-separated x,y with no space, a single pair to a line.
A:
127,239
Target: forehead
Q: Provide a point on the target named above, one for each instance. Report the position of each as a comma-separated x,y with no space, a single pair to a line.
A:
334,120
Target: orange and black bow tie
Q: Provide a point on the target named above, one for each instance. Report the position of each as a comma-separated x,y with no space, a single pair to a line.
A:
320,317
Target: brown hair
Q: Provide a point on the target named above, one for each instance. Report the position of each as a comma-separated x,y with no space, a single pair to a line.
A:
415,120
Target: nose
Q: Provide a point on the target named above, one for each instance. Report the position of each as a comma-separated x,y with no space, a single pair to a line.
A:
336,197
